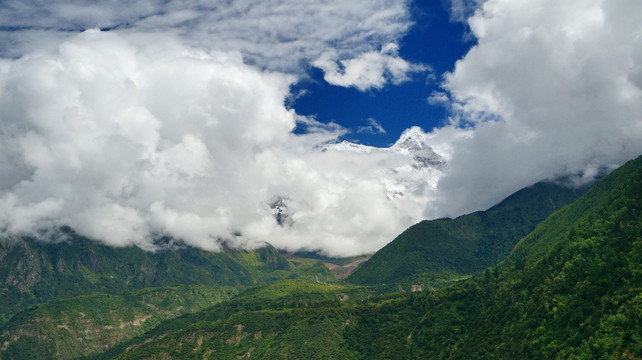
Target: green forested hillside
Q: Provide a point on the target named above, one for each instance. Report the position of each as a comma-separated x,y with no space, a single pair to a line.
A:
571,290
436,252
32,272
287,319
76,327
77,297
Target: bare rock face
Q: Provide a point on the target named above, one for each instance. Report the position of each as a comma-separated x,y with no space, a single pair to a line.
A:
279,208
27,271
90,260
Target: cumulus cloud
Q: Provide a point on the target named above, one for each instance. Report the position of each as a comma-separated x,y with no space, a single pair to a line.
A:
171,121
109,132
372,69
127,138
551,89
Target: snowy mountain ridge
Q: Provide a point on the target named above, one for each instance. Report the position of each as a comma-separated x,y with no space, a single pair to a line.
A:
411,142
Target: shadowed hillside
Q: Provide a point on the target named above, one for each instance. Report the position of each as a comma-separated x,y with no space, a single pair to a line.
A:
437,252
33,272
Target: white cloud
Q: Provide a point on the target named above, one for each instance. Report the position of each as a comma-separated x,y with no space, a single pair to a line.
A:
110,127
282,35
438,98
551,89
372,69
373,127
173,121
461,10
126,137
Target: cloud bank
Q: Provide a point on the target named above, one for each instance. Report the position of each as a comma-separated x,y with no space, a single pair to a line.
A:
127,138
551,89
173,122
282,35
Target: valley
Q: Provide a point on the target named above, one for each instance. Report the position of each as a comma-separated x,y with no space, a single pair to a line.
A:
340,272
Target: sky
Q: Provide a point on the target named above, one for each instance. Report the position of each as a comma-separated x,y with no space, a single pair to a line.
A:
193,118
434,41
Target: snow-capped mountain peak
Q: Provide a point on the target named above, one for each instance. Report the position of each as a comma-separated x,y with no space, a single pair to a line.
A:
412,140
406,170
411,143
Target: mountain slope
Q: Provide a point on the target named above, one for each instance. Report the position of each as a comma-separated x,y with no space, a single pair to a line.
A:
265,322
572,292
434,252
572,289
33,272
79,326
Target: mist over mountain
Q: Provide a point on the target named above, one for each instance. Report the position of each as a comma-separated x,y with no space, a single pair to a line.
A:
546,279
438,252
570,289
34,272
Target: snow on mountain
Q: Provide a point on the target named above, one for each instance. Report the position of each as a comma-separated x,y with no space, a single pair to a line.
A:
412,140
417,165
348,146
385,189
411,143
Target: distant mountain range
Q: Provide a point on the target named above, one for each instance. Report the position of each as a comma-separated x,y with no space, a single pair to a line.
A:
411,143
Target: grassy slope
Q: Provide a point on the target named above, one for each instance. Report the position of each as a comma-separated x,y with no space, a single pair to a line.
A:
572,289
33,272
436,252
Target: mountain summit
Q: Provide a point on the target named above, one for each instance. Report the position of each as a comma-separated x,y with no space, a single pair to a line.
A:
412,140
413,165
411,143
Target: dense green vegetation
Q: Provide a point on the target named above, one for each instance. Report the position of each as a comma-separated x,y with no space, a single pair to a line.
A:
264,322
570,290
438,252
32,272
75,327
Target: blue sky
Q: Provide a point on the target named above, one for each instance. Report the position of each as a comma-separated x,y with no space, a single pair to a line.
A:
434,40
